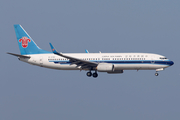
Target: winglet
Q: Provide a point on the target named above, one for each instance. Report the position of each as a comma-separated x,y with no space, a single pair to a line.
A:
53,49
86,51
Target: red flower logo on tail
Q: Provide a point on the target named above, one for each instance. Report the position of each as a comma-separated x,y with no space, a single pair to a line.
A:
24,41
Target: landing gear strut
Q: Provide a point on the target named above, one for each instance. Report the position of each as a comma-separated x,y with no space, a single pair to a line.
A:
89,74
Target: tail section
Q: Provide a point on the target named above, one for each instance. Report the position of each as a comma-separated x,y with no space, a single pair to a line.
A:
26,43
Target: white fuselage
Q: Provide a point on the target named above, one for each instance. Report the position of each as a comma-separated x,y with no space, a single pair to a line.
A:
98,62
121,61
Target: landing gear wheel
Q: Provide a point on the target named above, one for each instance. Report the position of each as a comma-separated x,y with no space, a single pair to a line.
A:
89,74
95,75
156,74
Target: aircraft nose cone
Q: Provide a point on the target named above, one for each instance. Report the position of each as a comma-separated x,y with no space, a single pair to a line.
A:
171,63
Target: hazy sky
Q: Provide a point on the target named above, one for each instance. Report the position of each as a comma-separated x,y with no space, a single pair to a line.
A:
33,93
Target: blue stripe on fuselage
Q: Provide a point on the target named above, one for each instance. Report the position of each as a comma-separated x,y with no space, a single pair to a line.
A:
168,63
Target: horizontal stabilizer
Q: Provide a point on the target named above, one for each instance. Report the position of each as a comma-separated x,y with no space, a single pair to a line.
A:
17,55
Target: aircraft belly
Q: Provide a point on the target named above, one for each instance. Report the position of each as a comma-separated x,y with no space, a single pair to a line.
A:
138,66
61,67
68,67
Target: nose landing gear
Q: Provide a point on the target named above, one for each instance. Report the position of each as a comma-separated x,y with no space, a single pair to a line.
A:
156,74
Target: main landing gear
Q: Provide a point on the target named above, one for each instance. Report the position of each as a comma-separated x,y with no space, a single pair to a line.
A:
89,74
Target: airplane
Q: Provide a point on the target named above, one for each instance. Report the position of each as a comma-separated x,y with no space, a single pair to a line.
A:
111,63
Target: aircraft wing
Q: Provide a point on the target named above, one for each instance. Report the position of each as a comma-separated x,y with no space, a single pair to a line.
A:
79,62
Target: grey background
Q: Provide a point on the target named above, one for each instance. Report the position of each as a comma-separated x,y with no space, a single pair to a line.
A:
33,93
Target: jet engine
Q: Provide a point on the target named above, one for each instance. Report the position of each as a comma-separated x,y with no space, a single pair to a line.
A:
109,68
105,67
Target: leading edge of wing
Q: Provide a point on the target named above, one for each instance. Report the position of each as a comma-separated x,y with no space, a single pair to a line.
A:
73,60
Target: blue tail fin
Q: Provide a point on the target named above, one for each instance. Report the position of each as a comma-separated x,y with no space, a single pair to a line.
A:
26,43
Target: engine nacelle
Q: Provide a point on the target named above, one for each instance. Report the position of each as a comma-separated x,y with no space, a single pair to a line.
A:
109,68
105,67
